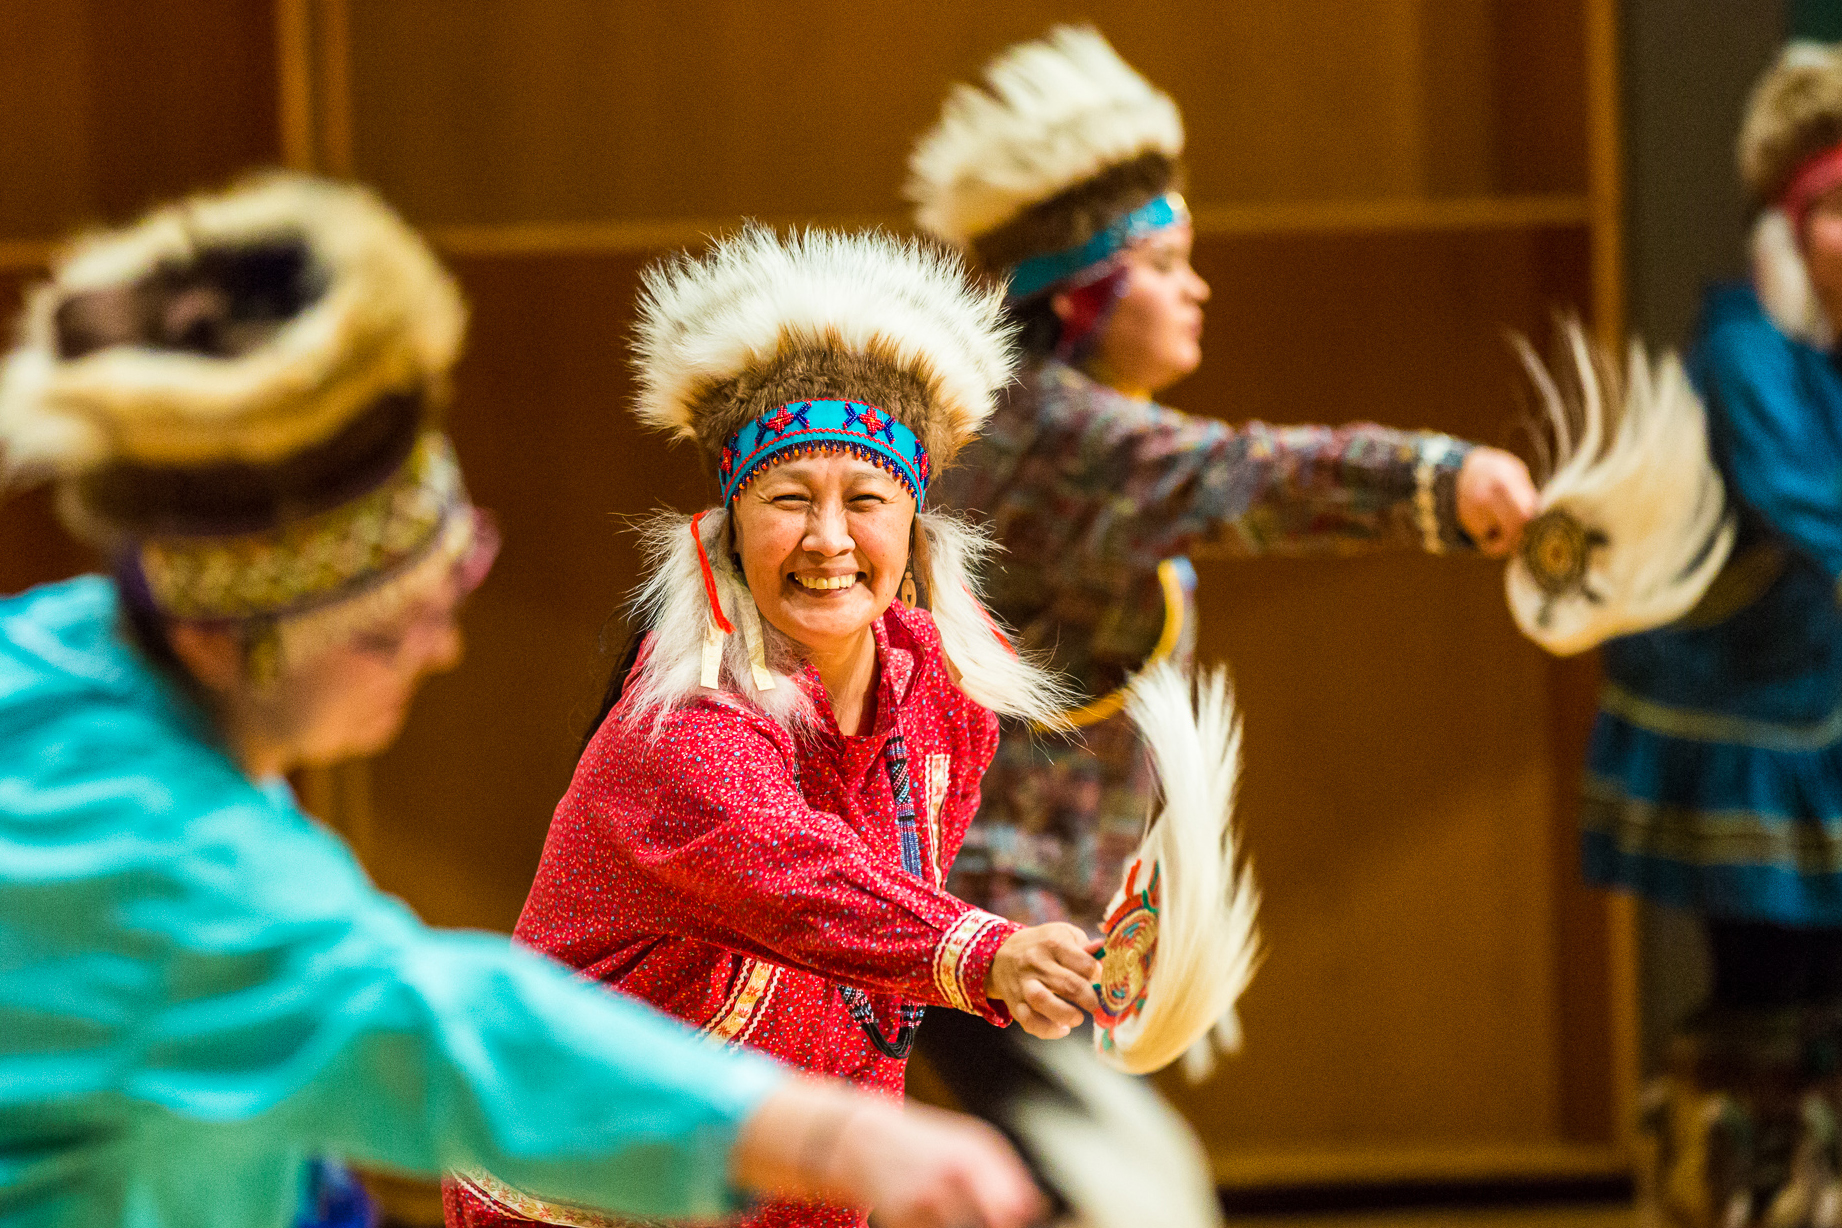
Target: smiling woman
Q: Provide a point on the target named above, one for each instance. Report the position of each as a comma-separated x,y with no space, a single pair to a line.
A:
758,833
824,546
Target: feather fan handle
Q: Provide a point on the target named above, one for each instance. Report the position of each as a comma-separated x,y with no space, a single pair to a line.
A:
1110,1145
1634,522
1181,942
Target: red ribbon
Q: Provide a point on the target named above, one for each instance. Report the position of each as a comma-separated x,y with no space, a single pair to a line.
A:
716,607
991,622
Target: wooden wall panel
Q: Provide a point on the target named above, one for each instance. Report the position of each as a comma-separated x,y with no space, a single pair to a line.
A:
45,156
462,802
107,106
573,110
1399,780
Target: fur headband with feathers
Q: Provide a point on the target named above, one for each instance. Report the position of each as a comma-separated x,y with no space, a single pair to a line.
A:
1795,111
760,322
1054,113
235,327
1781,278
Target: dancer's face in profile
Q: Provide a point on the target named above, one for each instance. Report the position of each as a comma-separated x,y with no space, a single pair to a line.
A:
343,700
1153,337
824,543
1823,251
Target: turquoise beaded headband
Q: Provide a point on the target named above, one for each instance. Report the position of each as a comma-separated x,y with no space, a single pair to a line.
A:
1038,273
823,426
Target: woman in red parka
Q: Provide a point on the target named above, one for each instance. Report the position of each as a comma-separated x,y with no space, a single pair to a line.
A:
757,835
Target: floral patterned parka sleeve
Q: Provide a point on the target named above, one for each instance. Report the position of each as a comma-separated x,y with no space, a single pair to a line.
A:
1097,499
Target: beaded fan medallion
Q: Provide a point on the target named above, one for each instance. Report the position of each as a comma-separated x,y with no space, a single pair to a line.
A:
1127,954
1557,549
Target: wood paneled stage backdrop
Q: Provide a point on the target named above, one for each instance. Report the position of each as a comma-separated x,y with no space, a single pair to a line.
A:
1382,187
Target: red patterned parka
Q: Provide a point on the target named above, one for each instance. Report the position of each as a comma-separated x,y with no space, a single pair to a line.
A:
754,882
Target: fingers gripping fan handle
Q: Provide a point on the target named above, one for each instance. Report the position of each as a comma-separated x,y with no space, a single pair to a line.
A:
1634,523
1180,940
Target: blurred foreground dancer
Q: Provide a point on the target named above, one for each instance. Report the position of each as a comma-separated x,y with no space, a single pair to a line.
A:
757,835
1062,173
199,991
1715,777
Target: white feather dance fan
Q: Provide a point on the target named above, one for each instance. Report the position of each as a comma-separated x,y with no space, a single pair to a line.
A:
1181,943
1109,1144
1634,524
762,323
1053,114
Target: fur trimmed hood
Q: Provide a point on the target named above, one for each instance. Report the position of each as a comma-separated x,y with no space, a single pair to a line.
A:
1054,115
762,322
1782,281
757,663
235,327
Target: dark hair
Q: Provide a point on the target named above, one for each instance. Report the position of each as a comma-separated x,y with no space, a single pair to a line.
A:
617,678
1039,329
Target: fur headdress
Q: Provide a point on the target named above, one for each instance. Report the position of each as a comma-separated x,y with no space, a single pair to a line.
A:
760,323
236,327
1787,156
1634,523
746,351
239,396
1063,139
1795,111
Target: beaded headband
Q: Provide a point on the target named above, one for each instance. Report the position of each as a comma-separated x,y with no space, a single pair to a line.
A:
1819,175
312,562
1031,277
804,427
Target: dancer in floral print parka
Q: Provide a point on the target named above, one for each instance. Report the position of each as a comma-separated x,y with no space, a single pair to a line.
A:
1062,174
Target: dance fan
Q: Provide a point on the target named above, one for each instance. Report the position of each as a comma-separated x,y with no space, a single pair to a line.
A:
1634,523
1180,947
1180,943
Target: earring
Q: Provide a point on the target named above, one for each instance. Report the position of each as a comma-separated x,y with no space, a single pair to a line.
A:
907,594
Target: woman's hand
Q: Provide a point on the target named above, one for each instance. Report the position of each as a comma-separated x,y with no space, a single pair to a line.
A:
1496,497
914,1167
1046,976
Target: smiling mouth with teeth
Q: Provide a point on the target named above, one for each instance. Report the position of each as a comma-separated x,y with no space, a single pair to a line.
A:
826,582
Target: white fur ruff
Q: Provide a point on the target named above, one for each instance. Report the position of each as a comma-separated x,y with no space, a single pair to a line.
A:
1783,282
1639,474
704,321
671,602
991,671
390,318
1207,943
1120,1155
1057,112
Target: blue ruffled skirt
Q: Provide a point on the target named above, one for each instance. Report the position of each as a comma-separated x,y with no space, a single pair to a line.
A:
1714,782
